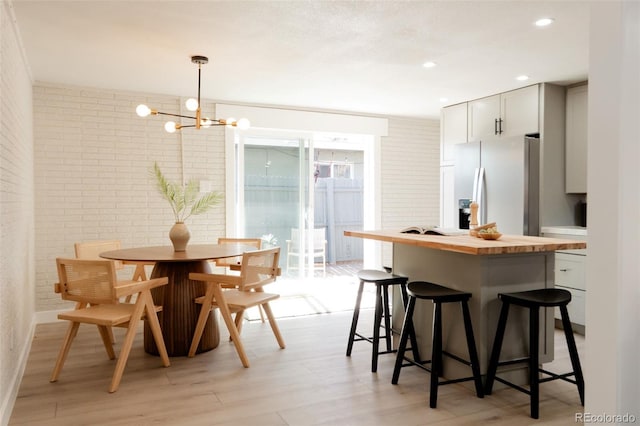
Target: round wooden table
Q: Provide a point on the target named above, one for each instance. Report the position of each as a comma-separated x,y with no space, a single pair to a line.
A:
179,311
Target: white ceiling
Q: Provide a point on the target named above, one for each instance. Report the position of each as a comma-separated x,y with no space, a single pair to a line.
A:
355,56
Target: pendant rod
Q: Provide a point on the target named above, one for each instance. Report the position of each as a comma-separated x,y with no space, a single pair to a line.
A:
198,114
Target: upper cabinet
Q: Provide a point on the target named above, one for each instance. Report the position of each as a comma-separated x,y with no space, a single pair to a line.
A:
576,140
506,114
453,129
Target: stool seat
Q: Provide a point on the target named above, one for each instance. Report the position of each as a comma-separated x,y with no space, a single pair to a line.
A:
533,300
435,292
380,277
545,297
382,280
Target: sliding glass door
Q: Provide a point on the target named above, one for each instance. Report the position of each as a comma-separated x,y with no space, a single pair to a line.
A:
300,192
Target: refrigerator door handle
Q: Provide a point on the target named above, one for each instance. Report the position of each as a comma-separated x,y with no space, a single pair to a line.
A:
474,196
482,208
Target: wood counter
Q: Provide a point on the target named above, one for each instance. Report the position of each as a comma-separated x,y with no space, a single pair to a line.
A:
483,268
507,244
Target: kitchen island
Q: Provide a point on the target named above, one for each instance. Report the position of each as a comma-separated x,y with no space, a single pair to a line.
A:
483,268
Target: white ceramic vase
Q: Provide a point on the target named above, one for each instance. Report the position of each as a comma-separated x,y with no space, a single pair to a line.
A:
179,236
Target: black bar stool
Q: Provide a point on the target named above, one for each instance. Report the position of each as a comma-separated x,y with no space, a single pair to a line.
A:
382,280
534,300
439,295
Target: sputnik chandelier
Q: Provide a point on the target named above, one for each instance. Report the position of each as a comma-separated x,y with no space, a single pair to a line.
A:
193,105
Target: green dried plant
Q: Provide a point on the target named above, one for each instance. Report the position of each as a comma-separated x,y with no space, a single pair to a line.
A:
183,199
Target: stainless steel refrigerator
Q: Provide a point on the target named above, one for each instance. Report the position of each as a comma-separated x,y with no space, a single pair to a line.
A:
503,177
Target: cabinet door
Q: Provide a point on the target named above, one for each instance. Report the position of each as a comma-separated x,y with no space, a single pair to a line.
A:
576,140
576,307
483,114
454,130
519,111
570,271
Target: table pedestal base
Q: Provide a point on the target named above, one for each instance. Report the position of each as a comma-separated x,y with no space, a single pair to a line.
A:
179,311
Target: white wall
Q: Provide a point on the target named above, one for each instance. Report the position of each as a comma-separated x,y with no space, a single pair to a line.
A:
612,345
16,212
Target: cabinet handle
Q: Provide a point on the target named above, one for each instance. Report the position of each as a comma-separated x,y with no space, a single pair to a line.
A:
495,126
500,127
564,270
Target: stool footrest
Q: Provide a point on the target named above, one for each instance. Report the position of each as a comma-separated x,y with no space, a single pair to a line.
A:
510,384
514,361
368,339
410,362
422,364
457,358
556,376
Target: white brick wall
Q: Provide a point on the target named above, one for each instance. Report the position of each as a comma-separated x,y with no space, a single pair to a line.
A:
16,211
92,161
410,175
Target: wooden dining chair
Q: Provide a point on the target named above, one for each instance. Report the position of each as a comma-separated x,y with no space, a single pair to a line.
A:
235,263
236,293
92,250
93,285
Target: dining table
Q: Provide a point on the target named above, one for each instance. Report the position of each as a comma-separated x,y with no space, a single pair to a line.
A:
179,313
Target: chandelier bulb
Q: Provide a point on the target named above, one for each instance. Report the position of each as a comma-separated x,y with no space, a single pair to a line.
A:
170,126
230,121
243,124
205,122
192,104
143,110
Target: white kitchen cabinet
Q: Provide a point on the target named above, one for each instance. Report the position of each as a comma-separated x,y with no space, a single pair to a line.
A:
453,130
507,114
576,140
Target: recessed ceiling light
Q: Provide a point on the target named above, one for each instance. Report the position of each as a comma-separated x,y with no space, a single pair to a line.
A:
543,22
429,64
522,78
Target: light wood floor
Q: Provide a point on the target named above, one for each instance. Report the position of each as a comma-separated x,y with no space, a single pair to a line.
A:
311,382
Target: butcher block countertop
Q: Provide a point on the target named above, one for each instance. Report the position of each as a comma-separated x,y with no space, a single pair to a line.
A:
507,244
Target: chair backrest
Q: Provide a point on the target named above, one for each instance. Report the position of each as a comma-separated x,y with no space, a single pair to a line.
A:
87,280
319,236
92,250
259,268
236,261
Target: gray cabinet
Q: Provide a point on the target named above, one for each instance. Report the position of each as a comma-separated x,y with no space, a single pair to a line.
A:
576,140
570,273
506,114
